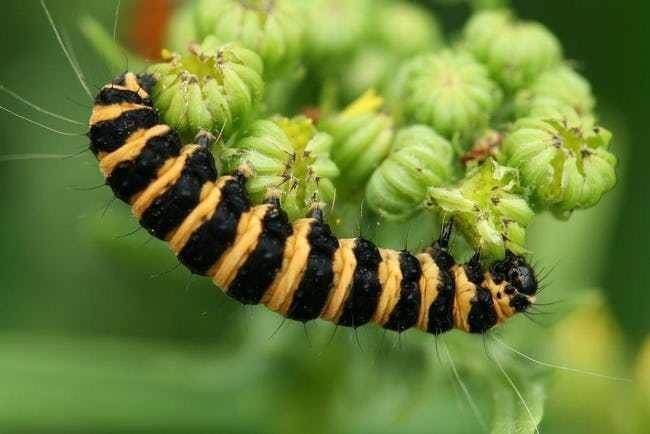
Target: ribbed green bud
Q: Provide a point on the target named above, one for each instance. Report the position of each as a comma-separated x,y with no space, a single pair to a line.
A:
561,86
488,207
271,28
419,159
448,91
404,28
213,87
516,52
563,160
362,138
370,68
398,31
289,159
334,28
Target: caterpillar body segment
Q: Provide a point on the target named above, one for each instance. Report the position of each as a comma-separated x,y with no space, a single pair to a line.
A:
257,256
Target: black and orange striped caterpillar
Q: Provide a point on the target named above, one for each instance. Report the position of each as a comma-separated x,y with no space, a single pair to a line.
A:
300,270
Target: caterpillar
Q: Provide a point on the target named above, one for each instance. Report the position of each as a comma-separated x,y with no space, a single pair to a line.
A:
257,256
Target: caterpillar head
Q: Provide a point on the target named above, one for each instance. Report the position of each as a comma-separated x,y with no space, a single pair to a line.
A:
514,284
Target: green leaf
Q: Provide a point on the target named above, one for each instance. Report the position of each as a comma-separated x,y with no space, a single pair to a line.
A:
93,384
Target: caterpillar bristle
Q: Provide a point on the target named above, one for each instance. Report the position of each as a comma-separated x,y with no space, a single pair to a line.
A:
36,107
39,124
71,60
22,157
531,359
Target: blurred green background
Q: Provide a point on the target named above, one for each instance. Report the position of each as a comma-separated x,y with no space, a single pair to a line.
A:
100,333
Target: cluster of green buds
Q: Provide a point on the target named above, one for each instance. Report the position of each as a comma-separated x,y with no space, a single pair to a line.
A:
271,28
488,207
563,160
556,88
397,31
514,51
488,131
449,91
290,160
333,28
213,87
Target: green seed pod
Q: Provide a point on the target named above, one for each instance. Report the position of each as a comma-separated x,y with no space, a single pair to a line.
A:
563,160
448,91
419,159
334,28
516,52
214,88
561,86
488,207
289,159
362,138
271,28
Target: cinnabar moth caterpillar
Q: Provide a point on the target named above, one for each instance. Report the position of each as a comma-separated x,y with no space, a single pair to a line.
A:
299,270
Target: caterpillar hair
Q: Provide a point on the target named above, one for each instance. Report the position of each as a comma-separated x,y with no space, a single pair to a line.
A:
299,270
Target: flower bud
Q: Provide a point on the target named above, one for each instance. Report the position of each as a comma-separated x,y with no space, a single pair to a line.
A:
362,138
516,52
370,68
448,91
397,31
419,159
563,159
212,87
561,86
334,28
271,28
488,207
289,159
404,29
